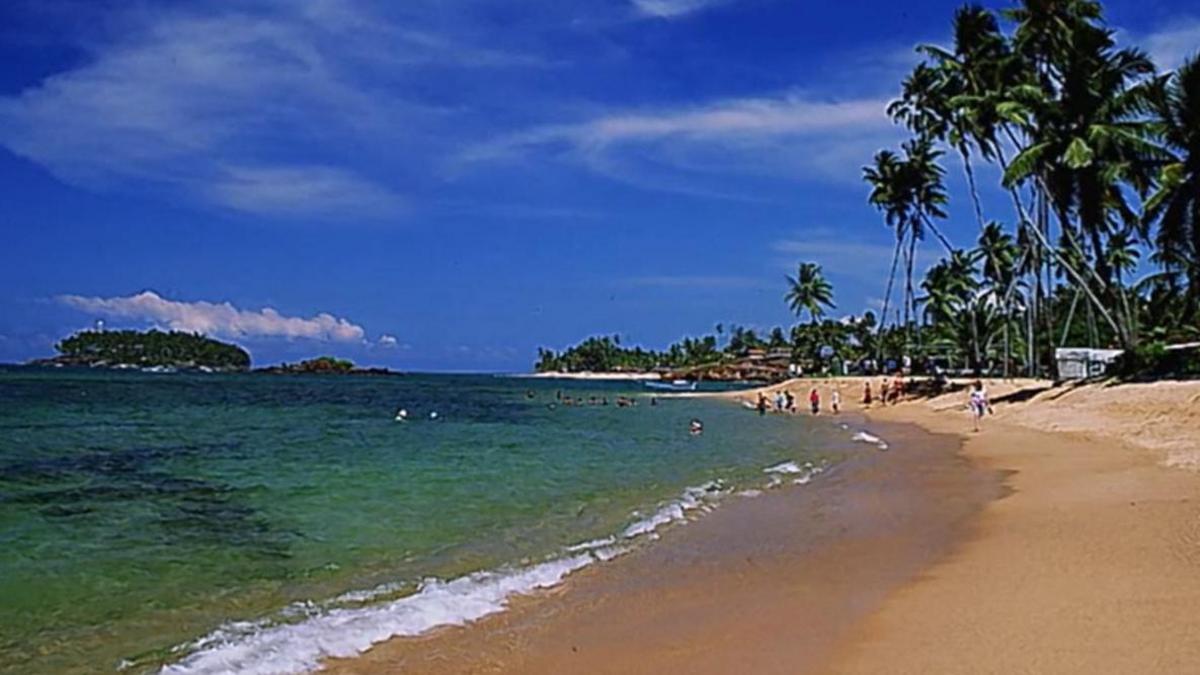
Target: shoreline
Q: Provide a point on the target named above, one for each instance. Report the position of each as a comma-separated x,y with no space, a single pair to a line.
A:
1079,556
731,587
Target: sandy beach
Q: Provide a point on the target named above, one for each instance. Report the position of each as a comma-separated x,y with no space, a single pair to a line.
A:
1064,537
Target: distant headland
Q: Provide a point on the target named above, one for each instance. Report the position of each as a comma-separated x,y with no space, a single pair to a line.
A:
177,351
148,350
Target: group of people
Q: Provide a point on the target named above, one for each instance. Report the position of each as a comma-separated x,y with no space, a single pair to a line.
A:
785,402
619,401
889,392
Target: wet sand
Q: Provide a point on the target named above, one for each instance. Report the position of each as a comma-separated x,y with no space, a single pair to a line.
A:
766,584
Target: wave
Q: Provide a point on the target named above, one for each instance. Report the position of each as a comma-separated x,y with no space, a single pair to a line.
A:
254,647
784,467
674,511
304,634
864,437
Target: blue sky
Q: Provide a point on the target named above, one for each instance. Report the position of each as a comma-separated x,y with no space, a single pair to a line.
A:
442,185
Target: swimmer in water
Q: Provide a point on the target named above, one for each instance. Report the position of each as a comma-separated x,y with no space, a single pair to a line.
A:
402,415
695,427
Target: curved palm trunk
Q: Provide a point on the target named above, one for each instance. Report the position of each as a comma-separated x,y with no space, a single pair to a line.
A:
938,233
970,172
908,291
1070,270
887,297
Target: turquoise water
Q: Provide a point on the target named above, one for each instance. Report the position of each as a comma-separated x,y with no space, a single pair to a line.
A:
242,523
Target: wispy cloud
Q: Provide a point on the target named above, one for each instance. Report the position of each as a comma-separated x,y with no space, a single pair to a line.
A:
291,90
1172,44
301,190
673,8
217,319
840,256
791,135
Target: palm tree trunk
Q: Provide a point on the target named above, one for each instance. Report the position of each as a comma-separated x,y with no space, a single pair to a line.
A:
1067,267
909,295
887,296
970,171
1070,317
928,222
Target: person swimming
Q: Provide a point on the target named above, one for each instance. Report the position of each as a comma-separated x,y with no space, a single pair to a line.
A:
695,427
402,415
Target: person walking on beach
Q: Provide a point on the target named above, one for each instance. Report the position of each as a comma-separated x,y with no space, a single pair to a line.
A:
883,392
814,399
867,394
762,404
779,401
791,401
835,401
979,403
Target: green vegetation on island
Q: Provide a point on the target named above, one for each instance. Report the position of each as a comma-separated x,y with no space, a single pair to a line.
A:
149,349
1092,238
323,365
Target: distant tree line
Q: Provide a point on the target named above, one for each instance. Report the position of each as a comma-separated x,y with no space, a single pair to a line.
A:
151,348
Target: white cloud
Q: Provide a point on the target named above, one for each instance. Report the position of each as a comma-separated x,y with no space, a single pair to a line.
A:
301,190
218,319
1171,45
388,341
673,8
791,135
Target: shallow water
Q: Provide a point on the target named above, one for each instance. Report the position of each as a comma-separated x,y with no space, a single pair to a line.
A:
221,522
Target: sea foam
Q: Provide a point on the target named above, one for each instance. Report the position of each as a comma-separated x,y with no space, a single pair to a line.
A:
691,499
259,648
864,437
307,633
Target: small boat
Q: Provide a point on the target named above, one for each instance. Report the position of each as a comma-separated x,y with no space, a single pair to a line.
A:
674,385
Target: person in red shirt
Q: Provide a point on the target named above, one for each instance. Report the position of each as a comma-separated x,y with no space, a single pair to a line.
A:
814,399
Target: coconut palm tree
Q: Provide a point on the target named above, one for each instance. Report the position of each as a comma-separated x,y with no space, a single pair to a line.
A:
809,291
1175,204
1082,136
999,257
910,193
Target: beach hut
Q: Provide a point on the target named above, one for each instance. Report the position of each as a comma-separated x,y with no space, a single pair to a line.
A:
1078,363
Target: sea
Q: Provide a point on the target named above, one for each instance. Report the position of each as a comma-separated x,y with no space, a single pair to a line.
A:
238,523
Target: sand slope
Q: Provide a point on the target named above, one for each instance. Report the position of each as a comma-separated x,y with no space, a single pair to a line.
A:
1091,565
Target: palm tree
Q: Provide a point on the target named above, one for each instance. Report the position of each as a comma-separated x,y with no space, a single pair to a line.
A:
910,193
1082,136
1175,205
809,290
998,252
